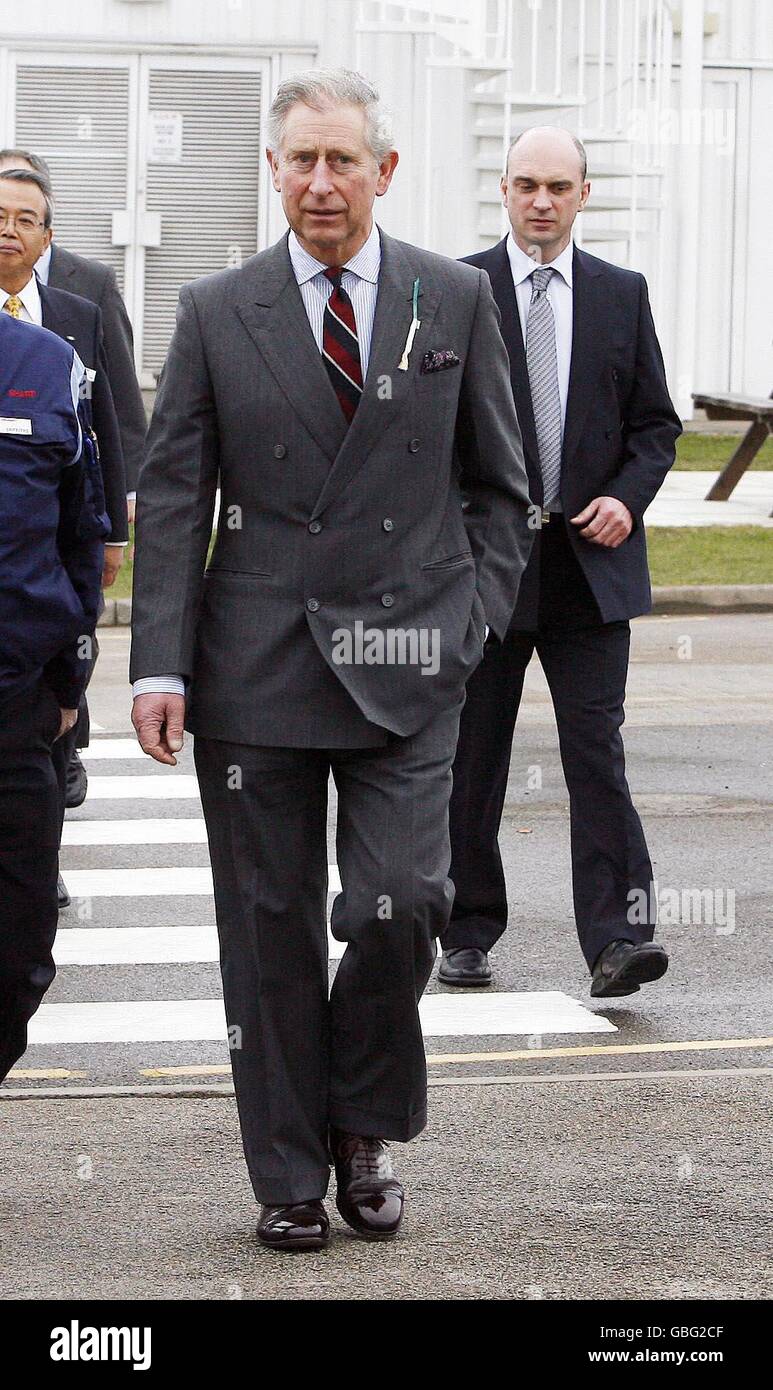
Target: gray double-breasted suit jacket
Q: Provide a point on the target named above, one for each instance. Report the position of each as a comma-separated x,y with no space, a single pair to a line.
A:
415,517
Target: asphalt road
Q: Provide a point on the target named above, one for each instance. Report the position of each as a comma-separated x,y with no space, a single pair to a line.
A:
624,1164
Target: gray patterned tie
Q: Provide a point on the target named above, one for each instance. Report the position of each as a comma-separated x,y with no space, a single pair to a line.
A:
542,366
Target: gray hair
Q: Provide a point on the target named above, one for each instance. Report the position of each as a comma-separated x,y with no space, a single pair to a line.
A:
322,87
35,161
578,145
29,176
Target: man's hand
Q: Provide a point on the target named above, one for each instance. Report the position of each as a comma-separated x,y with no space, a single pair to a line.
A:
112,564
605,521
131,507
67,721
159,719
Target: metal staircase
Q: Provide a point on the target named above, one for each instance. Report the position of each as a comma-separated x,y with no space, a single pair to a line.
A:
600,67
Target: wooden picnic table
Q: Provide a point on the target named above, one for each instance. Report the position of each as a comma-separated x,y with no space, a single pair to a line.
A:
732,406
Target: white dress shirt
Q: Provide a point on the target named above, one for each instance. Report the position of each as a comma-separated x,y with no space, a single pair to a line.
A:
31,307
360,280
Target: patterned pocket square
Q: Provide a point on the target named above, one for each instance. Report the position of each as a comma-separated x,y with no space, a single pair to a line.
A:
439,361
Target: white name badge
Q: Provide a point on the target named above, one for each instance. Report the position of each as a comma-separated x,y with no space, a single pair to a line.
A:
12,425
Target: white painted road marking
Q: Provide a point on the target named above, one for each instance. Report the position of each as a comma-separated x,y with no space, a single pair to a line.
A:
118,748
152,883
157,786
191,831
203,1020
146,945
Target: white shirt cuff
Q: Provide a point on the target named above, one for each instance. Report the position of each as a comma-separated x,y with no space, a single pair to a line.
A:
130,496
158,685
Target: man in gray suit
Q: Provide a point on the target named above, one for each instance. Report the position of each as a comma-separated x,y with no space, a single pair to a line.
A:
345,391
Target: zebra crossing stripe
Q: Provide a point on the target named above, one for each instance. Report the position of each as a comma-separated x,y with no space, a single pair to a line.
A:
172,945
156,786
152,883
203,1020
171,831
119,748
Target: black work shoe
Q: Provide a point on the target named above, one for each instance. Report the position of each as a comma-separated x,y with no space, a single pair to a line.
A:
63,897
294,1227
369,1197
76,782
622,967
464,965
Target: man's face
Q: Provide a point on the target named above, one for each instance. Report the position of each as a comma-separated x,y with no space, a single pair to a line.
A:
24,241
543,193
329,179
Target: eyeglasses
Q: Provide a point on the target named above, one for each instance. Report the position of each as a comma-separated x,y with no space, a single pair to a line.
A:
23,223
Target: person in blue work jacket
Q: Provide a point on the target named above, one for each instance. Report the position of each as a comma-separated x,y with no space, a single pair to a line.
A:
52,530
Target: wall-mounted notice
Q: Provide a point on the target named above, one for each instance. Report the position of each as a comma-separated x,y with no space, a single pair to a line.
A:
165,137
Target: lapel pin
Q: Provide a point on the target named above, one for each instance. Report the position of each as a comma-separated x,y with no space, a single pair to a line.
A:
402,365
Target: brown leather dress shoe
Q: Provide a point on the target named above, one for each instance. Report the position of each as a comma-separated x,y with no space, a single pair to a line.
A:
369,1197
297,1226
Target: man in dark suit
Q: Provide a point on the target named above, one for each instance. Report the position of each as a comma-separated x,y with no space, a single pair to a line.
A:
337,388
599,431
64,270
25,233
53,525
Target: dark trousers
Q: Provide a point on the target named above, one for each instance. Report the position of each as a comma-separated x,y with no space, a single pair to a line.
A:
302,1060
585,663
29,846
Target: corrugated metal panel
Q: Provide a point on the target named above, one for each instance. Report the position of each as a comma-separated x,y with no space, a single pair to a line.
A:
209,201
77,118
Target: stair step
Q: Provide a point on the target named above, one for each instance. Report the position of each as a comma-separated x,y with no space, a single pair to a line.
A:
488,65
526,100
626,171
605,233
604,203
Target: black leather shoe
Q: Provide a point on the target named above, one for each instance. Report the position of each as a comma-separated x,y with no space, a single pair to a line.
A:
622,967
63,897
76,782
369,1197
298,1226
464,965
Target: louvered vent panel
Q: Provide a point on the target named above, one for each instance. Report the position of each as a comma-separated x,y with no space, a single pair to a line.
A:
209,201
77,118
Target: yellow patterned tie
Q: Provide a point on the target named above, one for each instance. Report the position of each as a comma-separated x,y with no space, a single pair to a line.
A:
12,306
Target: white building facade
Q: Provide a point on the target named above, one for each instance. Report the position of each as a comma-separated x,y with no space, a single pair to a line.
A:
151,114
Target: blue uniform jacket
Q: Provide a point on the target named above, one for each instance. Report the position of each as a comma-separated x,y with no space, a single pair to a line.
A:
52,516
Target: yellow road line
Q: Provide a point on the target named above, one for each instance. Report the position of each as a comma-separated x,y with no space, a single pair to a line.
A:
185,1071
41,1074
529,1054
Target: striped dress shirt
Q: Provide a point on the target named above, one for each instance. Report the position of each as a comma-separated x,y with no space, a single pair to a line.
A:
360,280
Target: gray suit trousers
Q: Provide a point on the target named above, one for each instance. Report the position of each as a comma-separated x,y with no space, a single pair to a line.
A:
305,1056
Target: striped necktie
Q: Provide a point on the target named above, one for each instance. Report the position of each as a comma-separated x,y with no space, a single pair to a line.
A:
542,366
340,345
12,306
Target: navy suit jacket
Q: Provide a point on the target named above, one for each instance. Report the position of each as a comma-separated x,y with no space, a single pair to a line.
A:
620,428
94,281
80,323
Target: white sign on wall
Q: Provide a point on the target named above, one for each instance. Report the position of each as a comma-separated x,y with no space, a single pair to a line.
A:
165,137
